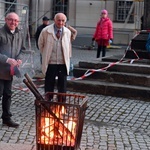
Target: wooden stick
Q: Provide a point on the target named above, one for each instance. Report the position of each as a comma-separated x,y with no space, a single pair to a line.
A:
32,84
32,89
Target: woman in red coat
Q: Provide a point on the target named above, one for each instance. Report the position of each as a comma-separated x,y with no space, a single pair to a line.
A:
103,33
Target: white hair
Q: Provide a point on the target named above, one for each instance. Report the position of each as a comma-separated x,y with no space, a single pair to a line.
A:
58,14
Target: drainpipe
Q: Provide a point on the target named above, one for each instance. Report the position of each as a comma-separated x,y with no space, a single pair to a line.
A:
36,13
75,13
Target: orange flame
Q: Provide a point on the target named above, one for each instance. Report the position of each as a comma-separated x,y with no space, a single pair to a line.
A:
53,132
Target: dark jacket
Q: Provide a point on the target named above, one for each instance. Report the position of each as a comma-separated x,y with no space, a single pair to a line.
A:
11,46
37,34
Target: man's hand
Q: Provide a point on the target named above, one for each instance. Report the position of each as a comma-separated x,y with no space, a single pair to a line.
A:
19,62
12,62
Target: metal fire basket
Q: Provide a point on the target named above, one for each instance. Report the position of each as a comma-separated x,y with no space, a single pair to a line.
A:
59,124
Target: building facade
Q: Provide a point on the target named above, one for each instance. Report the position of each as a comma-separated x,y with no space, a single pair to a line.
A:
84,14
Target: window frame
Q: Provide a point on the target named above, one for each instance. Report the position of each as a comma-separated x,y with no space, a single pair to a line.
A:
122,11
10,6
60,6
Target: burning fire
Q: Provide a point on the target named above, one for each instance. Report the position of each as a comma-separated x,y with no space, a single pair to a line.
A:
60,131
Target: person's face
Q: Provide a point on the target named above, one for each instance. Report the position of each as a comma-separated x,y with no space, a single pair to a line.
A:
60,21
104,15
46,22
12,21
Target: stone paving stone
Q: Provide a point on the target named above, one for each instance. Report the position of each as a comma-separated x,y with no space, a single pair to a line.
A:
6,146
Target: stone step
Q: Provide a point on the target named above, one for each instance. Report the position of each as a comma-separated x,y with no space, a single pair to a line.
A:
139,41
116,58
141,54
115,77
109,89
139,68
128,80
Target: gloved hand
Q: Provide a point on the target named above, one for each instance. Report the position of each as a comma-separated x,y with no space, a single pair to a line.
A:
93,39
14,70
110,41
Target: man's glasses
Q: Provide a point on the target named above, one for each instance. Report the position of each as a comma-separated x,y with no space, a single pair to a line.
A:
12,20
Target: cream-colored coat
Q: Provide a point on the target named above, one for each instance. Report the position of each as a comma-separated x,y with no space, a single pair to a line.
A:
46,42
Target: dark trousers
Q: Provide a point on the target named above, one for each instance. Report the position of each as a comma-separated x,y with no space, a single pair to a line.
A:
40,54
99,49
5,95
61,72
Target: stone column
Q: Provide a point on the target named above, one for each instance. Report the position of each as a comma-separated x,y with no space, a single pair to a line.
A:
146,17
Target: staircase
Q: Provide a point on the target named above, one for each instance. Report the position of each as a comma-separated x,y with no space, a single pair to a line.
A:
120,80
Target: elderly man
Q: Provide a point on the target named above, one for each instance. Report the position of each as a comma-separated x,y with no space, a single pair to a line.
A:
11,44
55,46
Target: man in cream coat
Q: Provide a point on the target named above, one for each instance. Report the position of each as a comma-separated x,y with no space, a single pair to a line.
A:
55,46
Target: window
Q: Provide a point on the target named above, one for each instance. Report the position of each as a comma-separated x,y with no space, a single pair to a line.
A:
10,6
124,11
60,6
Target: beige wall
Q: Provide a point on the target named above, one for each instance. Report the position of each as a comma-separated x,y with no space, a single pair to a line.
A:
84,14
88,13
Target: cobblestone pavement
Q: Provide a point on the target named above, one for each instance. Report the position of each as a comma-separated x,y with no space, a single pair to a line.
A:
111,123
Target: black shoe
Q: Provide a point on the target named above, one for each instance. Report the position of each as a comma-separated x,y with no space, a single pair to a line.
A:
10,123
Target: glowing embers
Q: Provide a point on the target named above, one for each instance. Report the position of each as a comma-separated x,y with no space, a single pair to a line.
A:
59,125
60,132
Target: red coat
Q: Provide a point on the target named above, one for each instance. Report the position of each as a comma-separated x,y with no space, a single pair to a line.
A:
104,31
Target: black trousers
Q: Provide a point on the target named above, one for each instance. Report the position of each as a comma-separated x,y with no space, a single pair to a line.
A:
5,95
50,79
99,49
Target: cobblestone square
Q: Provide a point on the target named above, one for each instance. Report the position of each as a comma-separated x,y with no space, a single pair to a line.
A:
111,123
